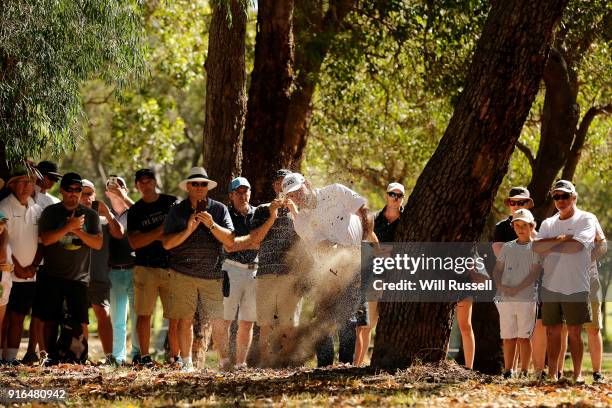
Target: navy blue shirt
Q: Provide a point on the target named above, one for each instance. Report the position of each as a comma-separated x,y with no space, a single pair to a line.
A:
201,253
242,227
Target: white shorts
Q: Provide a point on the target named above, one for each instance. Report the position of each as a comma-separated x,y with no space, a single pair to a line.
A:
7,284
242,296
516,319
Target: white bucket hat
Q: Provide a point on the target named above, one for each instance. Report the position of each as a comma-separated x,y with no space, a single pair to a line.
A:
197,174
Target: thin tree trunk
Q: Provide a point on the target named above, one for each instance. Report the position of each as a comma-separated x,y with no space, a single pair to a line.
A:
225,96
559,120
469,163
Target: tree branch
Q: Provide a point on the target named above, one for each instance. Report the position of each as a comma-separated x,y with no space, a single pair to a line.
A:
581,133
527,152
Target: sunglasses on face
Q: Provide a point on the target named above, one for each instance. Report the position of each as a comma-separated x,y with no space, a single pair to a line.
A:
517,203
564,196
199,184
73,189
397,196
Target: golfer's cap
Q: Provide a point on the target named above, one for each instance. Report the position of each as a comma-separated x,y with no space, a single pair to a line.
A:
292,182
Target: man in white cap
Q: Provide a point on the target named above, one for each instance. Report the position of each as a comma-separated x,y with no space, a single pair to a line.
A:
329,219
194,234
98,291
566,240
23,215
151,277
385,225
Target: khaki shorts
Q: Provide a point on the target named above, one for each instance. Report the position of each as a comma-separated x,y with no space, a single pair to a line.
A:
596,322
148,284
278,303
557,308
184,292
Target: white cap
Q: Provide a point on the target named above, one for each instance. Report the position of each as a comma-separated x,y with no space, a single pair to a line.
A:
396,186
88,183
524,215
292,182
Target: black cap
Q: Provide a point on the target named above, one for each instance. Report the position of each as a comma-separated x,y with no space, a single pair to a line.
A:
49,168
69,179
282,173
144,173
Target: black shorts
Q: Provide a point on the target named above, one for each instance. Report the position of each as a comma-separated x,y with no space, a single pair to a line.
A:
99,294
51,293
22,297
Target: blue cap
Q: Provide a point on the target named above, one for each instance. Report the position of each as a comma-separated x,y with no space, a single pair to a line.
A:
238,182
3,217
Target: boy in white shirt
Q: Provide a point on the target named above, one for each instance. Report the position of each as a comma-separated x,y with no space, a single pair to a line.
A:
515,273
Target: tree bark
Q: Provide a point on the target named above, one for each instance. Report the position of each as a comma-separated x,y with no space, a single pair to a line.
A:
269,95
225,96
559,119
282,84
470,162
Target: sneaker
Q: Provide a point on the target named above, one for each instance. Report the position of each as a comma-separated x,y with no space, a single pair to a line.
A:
598,377
175,363
523,374
507,374
541,376
187,368
242,366
579,380
46,361
30,359
13,363
146,361
110,360
136,359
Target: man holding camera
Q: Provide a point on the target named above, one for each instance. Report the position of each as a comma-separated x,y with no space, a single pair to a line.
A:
194,233
68,232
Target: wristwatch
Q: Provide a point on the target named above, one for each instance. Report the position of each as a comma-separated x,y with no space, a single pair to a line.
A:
212,226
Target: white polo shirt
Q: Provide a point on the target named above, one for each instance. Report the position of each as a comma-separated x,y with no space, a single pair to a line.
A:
44,199
569,273
23,230
334,217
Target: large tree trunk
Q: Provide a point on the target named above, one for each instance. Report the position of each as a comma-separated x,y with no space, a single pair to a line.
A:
225,96
469,163
283,81
269,95
559,120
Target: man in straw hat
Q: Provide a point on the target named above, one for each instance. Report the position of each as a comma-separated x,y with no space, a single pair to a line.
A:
194,234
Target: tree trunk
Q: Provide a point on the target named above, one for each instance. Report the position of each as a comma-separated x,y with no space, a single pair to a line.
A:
269,95
559,120
225,96
283,81
470,163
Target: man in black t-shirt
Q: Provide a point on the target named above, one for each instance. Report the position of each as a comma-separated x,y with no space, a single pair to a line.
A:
68,232
151,276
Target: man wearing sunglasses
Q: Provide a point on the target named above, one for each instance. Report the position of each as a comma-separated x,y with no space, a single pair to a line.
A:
68,232
50,175
566,240
151,276
194,234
